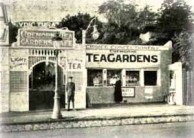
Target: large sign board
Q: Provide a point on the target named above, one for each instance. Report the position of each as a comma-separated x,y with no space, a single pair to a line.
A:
122,58
43,37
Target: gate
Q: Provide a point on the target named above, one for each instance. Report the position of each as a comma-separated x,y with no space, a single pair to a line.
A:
176,84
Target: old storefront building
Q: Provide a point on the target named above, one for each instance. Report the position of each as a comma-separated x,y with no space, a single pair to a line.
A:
30,76
143,71
28,71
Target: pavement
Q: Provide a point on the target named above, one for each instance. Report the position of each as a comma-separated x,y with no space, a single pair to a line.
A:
94,117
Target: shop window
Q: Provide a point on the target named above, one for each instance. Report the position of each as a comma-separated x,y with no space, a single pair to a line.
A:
112,76
150,78
132,78
94,77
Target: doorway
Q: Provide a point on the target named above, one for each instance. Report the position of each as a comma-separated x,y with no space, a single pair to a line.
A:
42,86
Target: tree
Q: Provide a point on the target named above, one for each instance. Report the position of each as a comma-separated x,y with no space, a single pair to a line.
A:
125,22
119,13
79,22
175,23
174,18
182,49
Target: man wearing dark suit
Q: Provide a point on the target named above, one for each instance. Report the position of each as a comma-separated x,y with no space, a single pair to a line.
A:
118,92
70,88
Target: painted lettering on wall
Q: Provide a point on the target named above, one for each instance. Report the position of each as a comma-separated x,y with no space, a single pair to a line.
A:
120,47
75,64
35,23
121,58
17,62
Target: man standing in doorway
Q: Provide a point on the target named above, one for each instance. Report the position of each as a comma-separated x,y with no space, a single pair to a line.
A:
70,88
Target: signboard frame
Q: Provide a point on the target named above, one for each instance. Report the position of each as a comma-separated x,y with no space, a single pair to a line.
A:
129,92
68,37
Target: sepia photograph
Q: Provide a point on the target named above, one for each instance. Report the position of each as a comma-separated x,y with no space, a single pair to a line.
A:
96,69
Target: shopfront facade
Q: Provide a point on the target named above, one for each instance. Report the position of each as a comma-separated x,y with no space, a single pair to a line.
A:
29,64
143,71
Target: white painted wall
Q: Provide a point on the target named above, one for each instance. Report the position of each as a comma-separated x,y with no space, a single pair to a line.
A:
177,68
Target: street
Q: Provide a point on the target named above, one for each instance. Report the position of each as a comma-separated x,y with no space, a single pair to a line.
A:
165,130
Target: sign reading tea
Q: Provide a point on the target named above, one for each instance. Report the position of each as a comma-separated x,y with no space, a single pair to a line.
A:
43,38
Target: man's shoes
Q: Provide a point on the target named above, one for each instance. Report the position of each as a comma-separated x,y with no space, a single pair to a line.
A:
68,109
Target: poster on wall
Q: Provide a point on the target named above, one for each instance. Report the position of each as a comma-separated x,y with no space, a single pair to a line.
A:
128,91
18,63
18,60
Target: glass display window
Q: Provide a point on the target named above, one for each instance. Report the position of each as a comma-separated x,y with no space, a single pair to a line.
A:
94,77
112,76
132,78
150,78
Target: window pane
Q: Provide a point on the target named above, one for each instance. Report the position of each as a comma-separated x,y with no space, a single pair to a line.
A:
94,77
150,77
132,78
112,76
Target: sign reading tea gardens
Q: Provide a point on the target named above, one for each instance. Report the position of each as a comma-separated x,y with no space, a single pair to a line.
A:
122,56
43,37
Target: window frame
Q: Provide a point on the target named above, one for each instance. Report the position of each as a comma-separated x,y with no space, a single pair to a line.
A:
123,74
110,69
158,77
139,82
88,77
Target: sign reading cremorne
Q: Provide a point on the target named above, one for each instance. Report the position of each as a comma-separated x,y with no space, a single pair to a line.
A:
43,38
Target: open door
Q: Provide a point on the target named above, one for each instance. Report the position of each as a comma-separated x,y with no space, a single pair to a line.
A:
42,85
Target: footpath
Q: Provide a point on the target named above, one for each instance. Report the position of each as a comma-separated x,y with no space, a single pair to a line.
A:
96,117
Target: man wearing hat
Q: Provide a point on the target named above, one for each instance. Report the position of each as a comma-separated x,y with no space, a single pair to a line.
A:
70,88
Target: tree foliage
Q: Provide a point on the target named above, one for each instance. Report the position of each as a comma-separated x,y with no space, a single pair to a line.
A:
119,13
79,22
174,18
125,22
182,48
175,23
